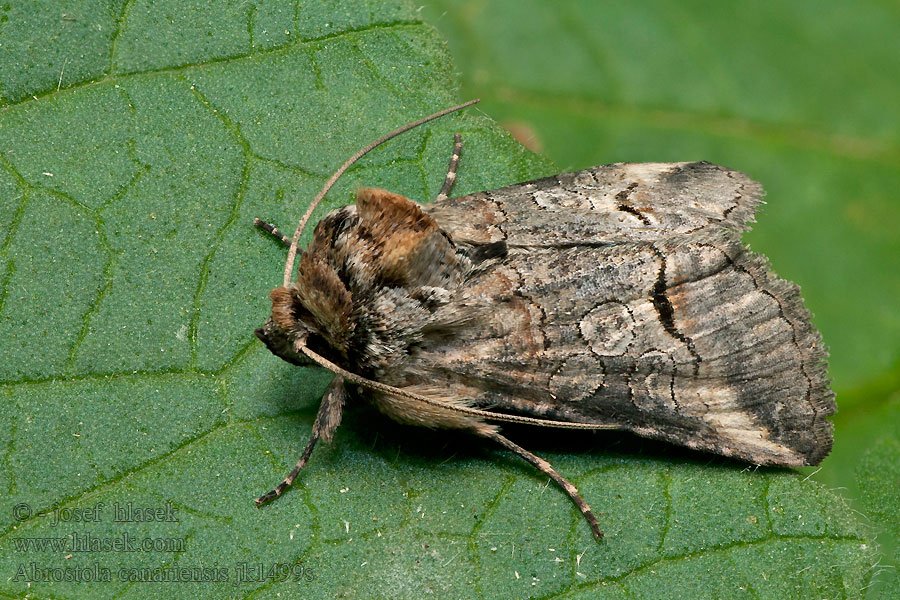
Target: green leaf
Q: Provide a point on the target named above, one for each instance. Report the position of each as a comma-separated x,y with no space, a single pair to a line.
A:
138,141
879,484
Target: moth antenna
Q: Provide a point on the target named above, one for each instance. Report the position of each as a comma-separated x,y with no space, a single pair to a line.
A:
484,414
292,251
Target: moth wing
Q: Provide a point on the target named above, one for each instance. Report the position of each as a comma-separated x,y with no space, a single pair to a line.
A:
671,329
609,204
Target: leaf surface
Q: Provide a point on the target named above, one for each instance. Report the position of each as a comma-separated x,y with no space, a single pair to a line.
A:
138,141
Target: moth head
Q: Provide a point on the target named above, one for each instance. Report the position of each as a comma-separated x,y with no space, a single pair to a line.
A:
314,311
281,344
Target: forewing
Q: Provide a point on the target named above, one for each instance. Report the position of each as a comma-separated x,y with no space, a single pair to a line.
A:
610,204
650,314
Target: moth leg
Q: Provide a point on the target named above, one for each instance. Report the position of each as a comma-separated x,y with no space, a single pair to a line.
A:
451,170
561,481
273,230
327,420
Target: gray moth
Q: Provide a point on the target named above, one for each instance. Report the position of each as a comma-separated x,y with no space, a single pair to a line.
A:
617,297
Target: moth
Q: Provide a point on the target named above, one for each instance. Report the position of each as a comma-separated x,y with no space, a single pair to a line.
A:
619,297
